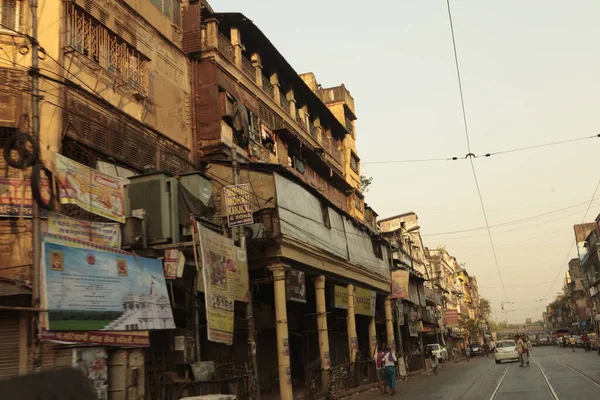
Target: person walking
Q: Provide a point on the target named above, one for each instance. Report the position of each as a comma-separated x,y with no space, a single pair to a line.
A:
522,351
468,353
379,366
389,366
572,342
486,348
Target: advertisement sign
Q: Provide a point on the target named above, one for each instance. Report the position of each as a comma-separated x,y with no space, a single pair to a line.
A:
218,268
89,189
15,197
238,205
104,338
92,363
413,329
174,262
239,277
295,286
451,318
105,234
399,312
95,288
364,300
400,284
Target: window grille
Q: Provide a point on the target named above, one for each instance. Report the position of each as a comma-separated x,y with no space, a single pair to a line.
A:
10,14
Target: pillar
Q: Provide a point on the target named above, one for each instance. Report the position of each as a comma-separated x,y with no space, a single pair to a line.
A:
292,99
236,41
352,338
372,338
212,33
258,68
322,331
276,88
389,323
283,346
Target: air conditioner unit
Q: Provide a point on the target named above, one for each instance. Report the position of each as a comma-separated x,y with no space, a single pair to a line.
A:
156,193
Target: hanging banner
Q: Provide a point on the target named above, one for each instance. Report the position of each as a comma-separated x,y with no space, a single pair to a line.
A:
413,329
89,189
399,312
218,268
16,199
400,284
239,276
174,263
92,363
88,289
451,318
238,205
413,293
295,286
364,300
104,338
104,234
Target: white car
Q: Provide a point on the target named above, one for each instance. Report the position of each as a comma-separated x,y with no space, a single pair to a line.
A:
506,350
439,352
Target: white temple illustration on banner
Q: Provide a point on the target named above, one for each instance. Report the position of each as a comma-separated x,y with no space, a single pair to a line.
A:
144,311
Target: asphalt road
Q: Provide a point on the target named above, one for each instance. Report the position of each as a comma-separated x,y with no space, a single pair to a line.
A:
553,374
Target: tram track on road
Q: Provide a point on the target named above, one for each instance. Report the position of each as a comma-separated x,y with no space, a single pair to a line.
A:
550,388
578,372
495,392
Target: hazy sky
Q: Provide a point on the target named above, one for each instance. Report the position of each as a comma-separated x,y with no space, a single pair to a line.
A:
531,75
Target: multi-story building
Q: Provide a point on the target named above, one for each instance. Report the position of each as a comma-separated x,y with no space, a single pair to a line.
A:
587,238
114,93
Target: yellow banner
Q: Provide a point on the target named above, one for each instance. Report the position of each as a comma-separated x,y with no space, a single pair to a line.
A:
104,234
89,189
364,300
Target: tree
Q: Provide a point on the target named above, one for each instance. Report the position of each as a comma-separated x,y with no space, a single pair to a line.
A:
470,325
365,182
485,309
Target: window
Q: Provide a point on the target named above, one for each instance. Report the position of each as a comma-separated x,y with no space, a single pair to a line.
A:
354,162
377,248
10,14
325,211
107,49
171,9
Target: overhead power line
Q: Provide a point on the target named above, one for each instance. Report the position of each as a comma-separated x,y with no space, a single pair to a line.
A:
470,155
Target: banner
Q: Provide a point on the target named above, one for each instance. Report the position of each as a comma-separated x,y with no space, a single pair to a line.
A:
105,234
92,363
399,312
174,262
239,277
104,338
95,288
400,284
238,205
364,300
295,286
89,189
218,267
451,318
15,197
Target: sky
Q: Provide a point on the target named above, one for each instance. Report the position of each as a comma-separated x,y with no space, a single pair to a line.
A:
530,75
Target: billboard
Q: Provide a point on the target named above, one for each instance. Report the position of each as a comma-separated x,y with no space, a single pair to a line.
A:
400,284
364,300
105,234
451,318
96,288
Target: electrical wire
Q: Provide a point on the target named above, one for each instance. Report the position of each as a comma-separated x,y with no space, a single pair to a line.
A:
470,154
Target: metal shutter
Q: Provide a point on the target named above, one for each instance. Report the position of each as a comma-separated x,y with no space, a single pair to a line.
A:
9,344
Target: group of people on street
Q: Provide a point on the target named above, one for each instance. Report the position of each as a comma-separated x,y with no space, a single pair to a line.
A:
523,348
385,364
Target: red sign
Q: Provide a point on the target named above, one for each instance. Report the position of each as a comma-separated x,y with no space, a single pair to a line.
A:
15,197
451,318
108,338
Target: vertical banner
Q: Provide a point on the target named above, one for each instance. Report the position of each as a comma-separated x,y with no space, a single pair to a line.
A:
89,189
399,312
451,318
295,286
174,263
238,205
400,284
218,269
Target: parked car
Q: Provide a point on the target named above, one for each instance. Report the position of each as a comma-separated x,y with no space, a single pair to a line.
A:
545,341
506,350
476,350
439,352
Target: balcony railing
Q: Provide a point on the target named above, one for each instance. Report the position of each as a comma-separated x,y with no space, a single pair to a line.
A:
301,121
285,103
313,131
267,87
226,48
248,69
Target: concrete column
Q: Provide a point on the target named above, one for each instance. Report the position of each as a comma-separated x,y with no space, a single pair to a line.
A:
306,117
276,88
257,63
352,338
292,99
372,338
322,331
236,41
212,33
389,323
283,344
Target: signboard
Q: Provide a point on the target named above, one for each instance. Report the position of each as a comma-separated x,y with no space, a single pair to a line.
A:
174,263
239,276
295,286
104,234
400,284
99,288
413,329
104,338
364,300
218,267
451,318
238,205
399,312
15,197
89,189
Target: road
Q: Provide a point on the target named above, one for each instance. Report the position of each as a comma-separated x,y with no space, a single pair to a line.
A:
553,374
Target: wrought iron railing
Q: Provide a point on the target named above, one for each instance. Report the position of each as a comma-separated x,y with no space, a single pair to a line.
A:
341,377
313,131
414,362
285,103
225,47
267,87
248,69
